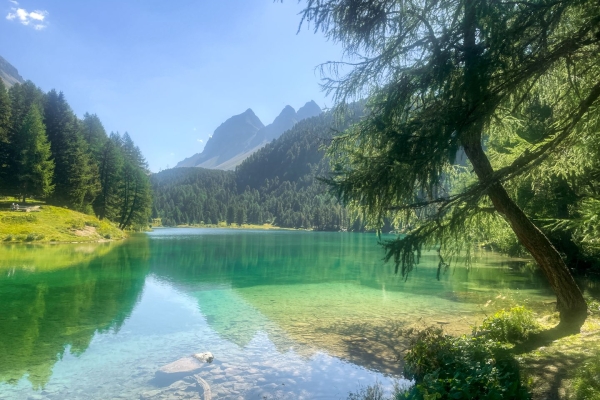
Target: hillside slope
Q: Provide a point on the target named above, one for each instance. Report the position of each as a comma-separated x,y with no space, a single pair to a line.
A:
9,74
54,224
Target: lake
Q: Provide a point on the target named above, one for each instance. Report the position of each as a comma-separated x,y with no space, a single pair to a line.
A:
286,314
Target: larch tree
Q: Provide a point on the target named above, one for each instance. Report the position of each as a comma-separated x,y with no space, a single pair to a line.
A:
442,78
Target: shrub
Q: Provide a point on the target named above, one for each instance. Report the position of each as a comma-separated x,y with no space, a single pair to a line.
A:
94,224
445,367
510,326
33,237
9,238
587,381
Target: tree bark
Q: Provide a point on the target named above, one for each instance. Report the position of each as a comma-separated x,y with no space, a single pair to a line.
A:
570,302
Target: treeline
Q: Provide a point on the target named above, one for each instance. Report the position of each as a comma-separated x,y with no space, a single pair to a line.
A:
47,152
278,184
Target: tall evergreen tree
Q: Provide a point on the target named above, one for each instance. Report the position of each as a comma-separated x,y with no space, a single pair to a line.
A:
22,97
136,198
94,134
76,175
443,77
34,165
5,111
111,165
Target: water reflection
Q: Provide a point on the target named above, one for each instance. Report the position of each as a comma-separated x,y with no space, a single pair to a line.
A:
64,305
272,306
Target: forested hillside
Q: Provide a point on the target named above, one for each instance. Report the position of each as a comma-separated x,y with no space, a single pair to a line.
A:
48,153
278,184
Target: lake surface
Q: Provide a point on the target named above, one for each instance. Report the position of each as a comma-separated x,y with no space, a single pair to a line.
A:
287,314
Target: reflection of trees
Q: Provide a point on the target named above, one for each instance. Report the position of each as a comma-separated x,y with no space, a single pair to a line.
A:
287,258
266,271
43,313
266,258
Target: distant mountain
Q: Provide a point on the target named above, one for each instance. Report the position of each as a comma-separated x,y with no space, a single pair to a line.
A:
228,140
9,74
242,135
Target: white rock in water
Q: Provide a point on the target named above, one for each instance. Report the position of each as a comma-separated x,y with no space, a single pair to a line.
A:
204,357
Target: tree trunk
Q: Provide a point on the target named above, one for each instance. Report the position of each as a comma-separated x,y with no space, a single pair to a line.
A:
570,302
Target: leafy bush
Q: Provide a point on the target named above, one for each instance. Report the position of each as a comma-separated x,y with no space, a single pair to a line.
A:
94,224
510,326
587,381
445,367
9,238
33,237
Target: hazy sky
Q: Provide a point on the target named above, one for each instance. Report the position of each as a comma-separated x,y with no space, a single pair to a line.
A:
167,72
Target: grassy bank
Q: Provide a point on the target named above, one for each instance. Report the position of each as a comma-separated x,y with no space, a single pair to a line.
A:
232,226
514,354
49,224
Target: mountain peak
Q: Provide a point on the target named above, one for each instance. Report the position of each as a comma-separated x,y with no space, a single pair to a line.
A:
310,109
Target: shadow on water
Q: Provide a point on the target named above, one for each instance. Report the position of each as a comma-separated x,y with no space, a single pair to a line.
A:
64,305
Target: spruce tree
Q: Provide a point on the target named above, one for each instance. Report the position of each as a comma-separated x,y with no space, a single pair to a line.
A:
5,111
110,165
34,165
76,174
136,198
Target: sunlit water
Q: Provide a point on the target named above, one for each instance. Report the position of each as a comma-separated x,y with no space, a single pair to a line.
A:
287,315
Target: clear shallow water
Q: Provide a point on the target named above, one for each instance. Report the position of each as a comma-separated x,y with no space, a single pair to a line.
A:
286,314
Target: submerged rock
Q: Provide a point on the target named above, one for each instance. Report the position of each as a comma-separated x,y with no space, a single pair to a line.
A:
204,357
178,369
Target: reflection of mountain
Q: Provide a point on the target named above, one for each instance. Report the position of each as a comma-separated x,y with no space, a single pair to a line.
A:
44,313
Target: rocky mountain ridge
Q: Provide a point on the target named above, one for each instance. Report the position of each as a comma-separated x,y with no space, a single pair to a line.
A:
243,134
9,74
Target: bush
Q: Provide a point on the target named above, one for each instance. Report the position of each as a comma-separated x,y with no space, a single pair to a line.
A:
509,326
445,367
587,381
33,237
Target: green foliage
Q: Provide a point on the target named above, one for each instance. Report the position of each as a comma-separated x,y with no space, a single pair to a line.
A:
374,392
445,367
34,167
49,153
278,184
510,326
587,380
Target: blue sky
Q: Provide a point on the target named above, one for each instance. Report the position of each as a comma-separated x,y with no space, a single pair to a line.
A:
167,72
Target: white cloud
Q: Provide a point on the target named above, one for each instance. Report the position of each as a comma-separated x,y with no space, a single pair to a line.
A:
16,3
200,141
38,17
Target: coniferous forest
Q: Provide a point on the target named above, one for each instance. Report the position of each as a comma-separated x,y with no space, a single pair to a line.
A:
48,153
279,184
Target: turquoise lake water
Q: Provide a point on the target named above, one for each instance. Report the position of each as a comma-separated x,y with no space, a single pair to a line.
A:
286,314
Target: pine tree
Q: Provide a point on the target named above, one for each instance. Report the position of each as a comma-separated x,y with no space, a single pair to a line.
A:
94,134
110,168
22,97
5,111
136,198
35,167
76,174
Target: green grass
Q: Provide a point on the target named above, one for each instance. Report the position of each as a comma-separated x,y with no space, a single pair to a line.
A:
53,224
